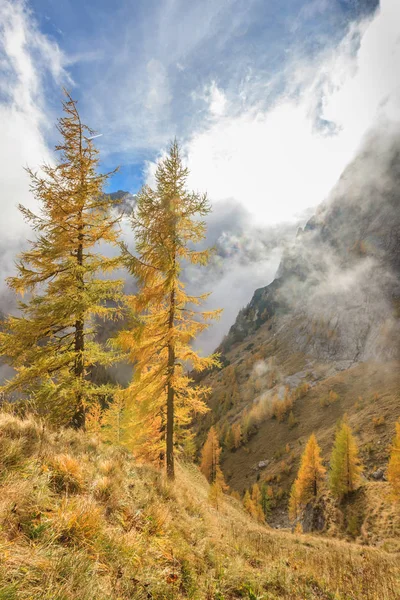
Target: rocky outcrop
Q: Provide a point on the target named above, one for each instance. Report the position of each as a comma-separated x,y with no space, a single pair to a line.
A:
336,295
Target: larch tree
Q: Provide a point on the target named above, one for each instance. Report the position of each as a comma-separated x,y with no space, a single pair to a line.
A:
51,342
310,477
265,500
345,466
167,223
210,454
393,472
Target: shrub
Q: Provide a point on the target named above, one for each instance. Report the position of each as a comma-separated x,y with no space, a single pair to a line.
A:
66,474
104,489
292,421
281,407
76,521
329,399
378,421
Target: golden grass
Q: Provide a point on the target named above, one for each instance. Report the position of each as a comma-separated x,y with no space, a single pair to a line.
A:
126,533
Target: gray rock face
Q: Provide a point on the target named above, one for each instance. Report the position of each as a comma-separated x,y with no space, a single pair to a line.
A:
313,518
263,463
378,475
337,291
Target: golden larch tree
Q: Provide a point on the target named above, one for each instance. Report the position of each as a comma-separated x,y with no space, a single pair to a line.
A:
210,455
51,342
345,466
167,223
393,472
310,477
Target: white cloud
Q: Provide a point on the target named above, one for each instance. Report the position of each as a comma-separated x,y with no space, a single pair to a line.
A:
26,58
217,100
158,94
277,161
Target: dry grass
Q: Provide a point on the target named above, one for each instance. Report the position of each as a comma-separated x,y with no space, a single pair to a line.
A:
123,532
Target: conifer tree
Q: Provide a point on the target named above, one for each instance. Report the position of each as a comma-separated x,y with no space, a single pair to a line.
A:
394,464
252,503
167,222
256,496
210,454
113,422
265,501
237,434
248,504
310,477
51,343
345,467
229,442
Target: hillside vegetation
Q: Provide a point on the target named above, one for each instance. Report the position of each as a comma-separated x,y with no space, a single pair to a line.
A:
252,390
81,520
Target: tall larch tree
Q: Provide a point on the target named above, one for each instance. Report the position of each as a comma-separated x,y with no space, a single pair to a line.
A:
51,343
393,472
310,478
167,223
210,456
345,467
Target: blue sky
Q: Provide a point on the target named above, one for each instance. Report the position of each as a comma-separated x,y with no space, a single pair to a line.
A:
271,99
140,67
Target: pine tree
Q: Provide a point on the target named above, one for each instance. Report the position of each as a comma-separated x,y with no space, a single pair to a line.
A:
210,454
394,464
51,343
237,434
166,223
252,503
248,504
345,467
229,441
256,497
311,474
113,421
265,501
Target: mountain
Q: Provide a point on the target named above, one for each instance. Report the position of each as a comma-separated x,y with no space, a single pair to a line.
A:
321,340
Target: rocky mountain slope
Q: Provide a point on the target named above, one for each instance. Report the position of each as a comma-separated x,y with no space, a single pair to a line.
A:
323,339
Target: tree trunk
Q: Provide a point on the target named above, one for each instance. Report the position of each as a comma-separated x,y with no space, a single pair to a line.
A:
170,393
78,420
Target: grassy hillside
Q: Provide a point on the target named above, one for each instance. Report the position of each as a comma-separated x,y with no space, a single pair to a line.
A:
80,520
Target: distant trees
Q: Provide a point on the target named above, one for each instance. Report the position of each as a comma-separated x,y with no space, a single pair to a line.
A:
210,467
310,477
52,344
167,221
252,503
394,463
345,466
265,501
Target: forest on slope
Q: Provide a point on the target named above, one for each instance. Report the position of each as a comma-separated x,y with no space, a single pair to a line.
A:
319,342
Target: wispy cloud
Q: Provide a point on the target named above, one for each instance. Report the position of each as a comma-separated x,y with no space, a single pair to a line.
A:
279,159
29,62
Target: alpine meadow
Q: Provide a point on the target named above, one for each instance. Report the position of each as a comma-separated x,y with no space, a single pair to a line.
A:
200,300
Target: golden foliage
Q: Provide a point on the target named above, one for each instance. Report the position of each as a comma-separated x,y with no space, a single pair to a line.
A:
51,344
165,318
210,454
310,477
394,463
345,466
